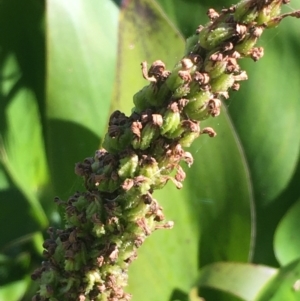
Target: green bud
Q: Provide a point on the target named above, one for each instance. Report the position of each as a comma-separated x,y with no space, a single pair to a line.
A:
113,185
181,74
136,142
269,12
245,46
181,91
92,278
245,12
175,134
80,203
149,170
174,80
149,133
128,166
140,100
111,144
137,212
196,109
92,208
188,138
145,185
125,138
215,66
211,38
222,83
191,43
171,120
98,230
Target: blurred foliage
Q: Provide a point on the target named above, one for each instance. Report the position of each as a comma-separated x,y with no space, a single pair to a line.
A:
65,65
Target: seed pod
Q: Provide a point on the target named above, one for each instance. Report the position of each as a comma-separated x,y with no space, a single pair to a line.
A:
215,64
210,38
128,166
196,109
191,44
149,169
269,12
175,134
110,144
92,208
222,83
245,46
137,212
245,12
171,120
140,101
191,133
125,138
188,139
181,74
181,91
148,133
112,185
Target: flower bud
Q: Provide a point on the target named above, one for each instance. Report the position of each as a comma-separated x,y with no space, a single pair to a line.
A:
128,166
210,38
196,108
171,121
245,12
222,83
215,65
148,134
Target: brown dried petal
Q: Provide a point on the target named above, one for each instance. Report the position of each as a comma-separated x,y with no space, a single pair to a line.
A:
256,53
212,14
210,131
185,75
136,126
157,119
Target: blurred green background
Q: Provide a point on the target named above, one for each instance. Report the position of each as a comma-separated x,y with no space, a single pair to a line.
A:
65,65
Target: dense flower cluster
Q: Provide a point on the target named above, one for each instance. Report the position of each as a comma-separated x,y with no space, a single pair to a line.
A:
106,224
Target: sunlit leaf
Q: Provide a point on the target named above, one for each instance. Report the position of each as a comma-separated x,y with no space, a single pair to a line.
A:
284,286
82,47
242,280
287,240
21,143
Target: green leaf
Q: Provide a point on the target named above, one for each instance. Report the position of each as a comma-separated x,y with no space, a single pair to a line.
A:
240,279
219,192
265,115
284,286
82,47
14,291
287,240
21,143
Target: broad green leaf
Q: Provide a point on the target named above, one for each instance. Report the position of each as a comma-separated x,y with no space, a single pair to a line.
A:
22,154
219,193
287,240
265,114
82,46
284,286
14,291
242,280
